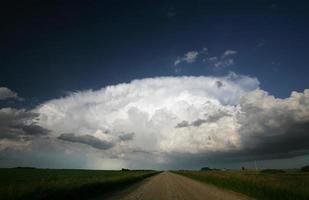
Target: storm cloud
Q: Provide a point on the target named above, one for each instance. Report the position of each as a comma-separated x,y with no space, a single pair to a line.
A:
156,121
151,108
86,139
210,118
19,124
126,136
273,127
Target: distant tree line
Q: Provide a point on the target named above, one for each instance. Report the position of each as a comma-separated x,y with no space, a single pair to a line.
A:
303,169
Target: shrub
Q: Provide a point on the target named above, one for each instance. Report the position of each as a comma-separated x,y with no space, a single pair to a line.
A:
206,169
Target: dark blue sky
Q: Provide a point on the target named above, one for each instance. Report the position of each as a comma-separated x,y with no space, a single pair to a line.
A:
50,48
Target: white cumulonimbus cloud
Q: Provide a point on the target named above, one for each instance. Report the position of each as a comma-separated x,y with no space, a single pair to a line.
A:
151,109
182,115
154,120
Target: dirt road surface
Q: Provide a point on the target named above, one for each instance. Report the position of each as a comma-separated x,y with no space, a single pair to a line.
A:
170,186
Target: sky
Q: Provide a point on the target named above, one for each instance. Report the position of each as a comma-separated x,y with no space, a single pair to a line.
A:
154,85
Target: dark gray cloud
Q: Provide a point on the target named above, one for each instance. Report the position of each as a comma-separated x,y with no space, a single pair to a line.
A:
34,129
86,139
182,124
231,159
219,84
217,116
274,128
195,123
198,122
44,153
19,124
293,142
126,136
210,119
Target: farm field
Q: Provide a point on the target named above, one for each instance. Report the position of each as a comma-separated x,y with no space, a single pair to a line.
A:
45,184
288,185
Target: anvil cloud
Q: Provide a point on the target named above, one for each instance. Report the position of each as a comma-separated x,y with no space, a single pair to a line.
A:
182,115
149,121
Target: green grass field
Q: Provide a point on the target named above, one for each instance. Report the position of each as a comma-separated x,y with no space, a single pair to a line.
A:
289,185
63,184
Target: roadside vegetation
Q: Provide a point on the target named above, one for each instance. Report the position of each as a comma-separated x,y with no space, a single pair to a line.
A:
35,184
264,185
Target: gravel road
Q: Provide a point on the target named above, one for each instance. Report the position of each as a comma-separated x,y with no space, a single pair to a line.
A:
170,186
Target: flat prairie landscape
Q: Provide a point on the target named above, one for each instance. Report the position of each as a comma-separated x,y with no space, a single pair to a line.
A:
63,183
37,184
